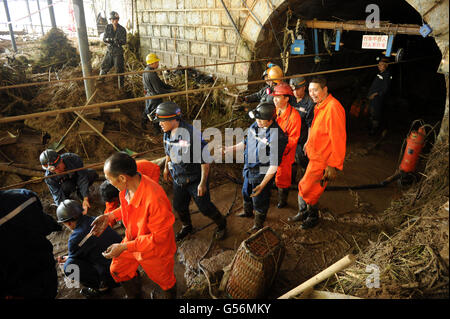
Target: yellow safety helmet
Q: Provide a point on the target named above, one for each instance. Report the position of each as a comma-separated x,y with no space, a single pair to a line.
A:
275,72
151,58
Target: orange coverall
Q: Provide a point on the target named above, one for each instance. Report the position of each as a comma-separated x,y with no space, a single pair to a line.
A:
325,147
290,122
149,235
144,167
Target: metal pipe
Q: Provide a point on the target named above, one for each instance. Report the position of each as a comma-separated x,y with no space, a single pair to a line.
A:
385,27
11,31
29,15
83,45
52,13
40,17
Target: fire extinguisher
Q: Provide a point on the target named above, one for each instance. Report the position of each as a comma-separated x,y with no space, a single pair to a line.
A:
414,145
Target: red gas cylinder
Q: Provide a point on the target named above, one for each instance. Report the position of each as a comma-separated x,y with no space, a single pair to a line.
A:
414,145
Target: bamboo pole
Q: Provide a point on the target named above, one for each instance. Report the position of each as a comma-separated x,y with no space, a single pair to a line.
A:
186,84
146,71
97,131
93,166
75,121
330,271
140,99
206,99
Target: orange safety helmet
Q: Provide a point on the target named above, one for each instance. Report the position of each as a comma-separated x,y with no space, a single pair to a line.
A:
275,72
282,89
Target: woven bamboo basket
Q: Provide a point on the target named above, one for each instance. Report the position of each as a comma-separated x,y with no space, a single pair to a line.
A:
255,265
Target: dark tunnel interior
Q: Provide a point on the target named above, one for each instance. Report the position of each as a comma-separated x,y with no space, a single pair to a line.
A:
417,90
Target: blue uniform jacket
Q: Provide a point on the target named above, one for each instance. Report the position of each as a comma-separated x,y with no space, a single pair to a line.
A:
93,247
71,161
263,148
186,153
306,109
381,84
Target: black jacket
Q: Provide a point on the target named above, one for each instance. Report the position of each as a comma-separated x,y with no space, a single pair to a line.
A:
72,161
27,264
381,84
115,39
153,84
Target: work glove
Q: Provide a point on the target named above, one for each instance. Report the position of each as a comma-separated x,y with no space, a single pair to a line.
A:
329,174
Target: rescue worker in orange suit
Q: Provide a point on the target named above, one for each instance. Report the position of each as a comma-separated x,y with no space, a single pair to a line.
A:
290,122
149,240
325,149
110,194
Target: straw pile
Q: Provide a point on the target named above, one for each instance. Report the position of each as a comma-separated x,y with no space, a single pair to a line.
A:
413,260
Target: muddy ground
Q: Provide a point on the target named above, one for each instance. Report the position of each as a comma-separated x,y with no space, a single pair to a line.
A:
350,220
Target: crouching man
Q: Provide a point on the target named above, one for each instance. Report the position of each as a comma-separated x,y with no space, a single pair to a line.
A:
149,240
85,252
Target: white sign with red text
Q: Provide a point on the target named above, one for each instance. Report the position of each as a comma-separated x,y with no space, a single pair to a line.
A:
374,42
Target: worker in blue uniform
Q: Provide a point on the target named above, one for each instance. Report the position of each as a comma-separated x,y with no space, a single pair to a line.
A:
85,252
305,106
377,95
263,147
27,266
62,186
188,169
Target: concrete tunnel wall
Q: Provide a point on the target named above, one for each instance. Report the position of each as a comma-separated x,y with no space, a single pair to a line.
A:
195,32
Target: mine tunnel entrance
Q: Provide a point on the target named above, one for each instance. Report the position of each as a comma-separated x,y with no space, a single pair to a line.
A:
417,90
349,218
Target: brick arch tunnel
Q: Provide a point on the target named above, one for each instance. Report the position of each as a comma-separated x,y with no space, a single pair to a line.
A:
421,87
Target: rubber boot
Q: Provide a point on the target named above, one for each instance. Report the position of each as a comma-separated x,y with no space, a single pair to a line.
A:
283,194
186,229
259,222
313,218
248,210
221,222
133,287
302,211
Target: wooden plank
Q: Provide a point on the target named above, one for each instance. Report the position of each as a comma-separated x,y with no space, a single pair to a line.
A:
86,129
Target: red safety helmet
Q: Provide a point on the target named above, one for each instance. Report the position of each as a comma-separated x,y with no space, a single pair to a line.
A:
282,89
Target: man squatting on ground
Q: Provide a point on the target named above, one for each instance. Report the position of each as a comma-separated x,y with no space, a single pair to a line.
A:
61,187
149,240
85,253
